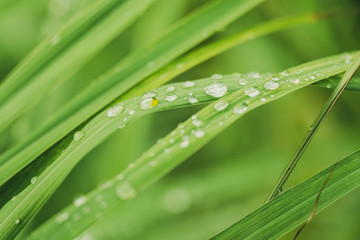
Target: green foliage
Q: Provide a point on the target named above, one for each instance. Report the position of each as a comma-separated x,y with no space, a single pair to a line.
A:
37,163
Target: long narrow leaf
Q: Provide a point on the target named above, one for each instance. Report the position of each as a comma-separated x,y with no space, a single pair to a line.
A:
123,76
59,56
289,210
175,147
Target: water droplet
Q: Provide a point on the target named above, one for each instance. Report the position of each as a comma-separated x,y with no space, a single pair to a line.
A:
122,125
115,110
294,80
216,90
33,180
312,77
243,81
131,112
285,73
120,176
55,40
78,135
185,142
205,34
348,59
263,99
236,75
221,105
192,99
217,76
253,75
171,98
106,185
239,109
167,150
170,89
188,84
149,94
153,163
179,66
87,236
17,221
80,201
271,85
148,103
13,198
125,191
199,133
177,200
197,122
252,92
62,217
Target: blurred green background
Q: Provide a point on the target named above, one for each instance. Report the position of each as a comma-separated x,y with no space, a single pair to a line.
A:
232,175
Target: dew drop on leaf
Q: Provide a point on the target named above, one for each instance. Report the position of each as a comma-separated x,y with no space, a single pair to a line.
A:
62,217
125,191
185,142
33,180
252,92
17,221
239,109
221,105
216,90
148,103
80,201
253,75
55,40
179,66
217,76
271,85
115,110
197,122
243,81
78,135
199,133
192,99
171,98
170,89
188,84
294,80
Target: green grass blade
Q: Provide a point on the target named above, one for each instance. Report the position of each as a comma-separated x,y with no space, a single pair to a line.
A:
189,32
61,55
210,50
218,183
332,82
314,127
55,164
170,151
289,210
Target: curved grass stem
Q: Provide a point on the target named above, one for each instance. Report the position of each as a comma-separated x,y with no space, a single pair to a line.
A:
314,127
